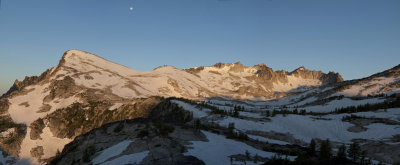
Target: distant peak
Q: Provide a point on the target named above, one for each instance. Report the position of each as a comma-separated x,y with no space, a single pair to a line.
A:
79,53
237,63
165,67
81,60
263,68
221,65
75,51
260,66
300,69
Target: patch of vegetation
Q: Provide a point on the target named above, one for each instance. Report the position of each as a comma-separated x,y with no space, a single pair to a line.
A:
162,129
285,112
5,124
89,151
119,127
352,117
142,133
232,134
395,103
324,156
175,114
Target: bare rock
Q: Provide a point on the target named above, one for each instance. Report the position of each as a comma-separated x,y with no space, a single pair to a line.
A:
44,108
36,129
37,152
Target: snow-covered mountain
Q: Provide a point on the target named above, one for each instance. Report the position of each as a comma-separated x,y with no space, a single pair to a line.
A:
40,115
229,80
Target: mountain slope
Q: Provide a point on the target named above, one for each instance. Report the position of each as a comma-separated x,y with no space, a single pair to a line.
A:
41,114
229,80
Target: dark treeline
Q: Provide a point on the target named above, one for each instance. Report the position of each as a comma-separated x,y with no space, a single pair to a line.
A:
353,155
393,103
370,107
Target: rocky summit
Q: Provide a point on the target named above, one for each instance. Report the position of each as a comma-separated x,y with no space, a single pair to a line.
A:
88,110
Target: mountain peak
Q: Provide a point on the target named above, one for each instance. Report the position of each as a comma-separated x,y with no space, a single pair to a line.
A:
165,67
75,55
84,61
300,69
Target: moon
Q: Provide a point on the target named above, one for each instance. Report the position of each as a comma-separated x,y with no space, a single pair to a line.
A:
131,8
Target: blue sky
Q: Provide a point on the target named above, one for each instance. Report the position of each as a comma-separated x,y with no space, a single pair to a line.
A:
353,37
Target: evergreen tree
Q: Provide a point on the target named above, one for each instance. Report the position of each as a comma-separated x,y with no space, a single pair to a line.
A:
342,152
311,148
247,155
236,111
197,124
256,158
363,155
274,112
325,151
354,151
303,112
231,128
296,111
369,162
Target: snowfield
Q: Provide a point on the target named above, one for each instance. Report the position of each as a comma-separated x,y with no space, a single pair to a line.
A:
111,152
49,143
251,114
372,87
135,158
23,107
295,82
3,159
345,102
305,128
196,112
272,141
218,149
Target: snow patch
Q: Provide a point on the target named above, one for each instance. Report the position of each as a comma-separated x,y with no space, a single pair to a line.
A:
293,83
272,141
305,128
23,114
135,158
49,143
3,160
218,149
115,106
7,132
111,152
345,102
197,113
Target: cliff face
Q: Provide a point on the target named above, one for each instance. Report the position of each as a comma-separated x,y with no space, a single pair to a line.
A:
261,81
330,77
